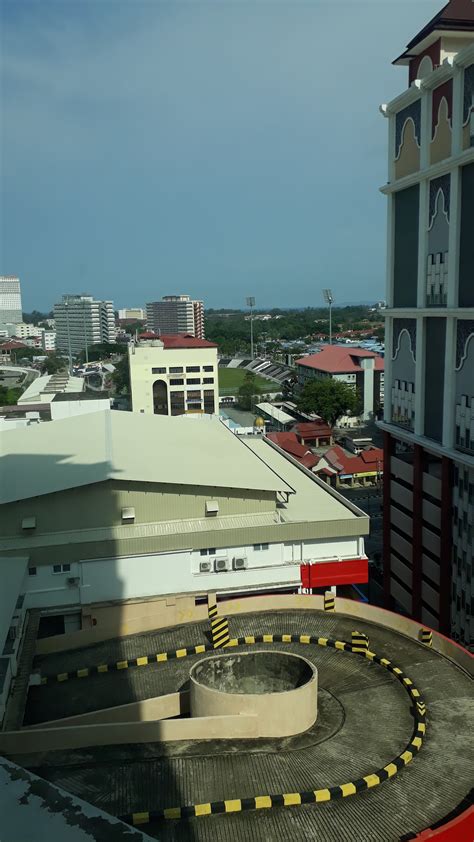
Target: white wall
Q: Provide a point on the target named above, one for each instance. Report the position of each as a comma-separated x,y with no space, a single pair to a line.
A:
168,573
66,409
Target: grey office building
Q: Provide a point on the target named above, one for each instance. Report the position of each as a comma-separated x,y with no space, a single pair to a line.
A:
82,320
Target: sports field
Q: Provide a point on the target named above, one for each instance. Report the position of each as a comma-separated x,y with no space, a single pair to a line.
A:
230,380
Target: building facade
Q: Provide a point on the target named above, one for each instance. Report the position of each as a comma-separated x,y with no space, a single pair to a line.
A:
176,314
173,375
362,370
429,409
137,313
147,506
10,300
81,320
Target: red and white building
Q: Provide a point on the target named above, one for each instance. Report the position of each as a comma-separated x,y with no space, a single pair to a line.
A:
360,369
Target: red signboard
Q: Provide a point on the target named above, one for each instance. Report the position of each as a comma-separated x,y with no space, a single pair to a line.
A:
353,571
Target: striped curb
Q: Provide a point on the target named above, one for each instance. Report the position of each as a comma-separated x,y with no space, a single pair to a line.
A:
426,637
329,601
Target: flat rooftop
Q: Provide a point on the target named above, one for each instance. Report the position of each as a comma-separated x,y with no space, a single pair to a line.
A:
364,721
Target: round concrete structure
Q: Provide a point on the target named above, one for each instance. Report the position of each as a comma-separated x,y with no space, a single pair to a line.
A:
279,688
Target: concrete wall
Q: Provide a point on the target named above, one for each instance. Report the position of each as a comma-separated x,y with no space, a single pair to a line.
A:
157,708
181,610
64,739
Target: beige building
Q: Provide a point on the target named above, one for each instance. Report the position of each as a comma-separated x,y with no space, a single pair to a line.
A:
173,375
118,505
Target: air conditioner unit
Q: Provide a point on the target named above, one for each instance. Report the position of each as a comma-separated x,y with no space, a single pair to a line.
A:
205,566
221,564
73,581
240,563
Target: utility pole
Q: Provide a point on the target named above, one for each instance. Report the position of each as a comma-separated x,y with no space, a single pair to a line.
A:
329,299
251,303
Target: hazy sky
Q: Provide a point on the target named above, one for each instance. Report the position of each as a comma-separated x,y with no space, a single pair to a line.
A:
220,148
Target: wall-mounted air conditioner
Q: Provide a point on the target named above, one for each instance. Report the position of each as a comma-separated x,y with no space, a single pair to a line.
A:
221,564
73,581
205,566
240,562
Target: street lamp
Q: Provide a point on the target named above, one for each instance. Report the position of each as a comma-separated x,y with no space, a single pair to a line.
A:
251,303
329,299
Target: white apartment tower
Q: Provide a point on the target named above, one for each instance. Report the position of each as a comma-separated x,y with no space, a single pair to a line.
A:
176,314
10,300
81,321
429,340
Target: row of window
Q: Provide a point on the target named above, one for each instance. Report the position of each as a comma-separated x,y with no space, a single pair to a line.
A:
57,568
190,369
213,551
191,381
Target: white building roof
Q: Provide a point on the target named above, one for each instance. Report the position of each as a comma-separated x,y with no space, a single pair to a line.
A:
128,446
274,412
44,388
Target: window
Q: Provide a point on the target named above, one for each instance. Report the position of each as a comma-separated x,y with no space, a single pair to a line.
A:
57,568
208,368
60,568
207,380
208,552
176,370
32,571
260,546
176,381
193,381
66,568
158,371
191,368
194,395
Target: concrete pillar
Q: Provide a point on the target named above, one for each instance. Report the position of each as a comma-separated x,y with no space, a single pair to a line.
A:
368,364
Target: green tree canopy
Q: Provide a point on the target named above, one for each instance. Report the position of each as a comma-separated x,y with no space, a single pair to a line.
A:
248,391
53,363
328,398
121,377
9,395
101,351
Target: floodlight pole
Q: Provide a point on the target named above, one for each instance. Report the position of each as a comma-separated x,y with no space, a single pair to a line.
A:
329,299
251,303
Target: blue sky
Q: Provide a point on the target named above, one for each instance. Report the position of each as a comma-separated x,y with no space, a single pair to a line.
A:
220,148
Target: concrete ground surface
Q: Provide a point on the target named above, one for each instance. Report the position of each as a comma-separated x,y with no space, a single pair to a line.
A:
364,721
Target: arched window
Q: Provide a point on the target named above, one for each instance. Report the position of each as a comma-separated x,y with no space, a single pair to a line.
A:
160,398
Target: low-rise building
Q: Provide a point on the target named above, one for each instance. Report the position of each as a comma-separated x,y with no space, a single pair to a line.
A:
118,505
43,389
11,350
350,471
360,369
132,314
173,374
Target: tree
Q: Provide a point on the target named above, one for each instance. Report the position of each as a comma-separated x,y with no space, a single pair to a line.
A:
328,398
53,364
247,391
101,350
9,396
121,376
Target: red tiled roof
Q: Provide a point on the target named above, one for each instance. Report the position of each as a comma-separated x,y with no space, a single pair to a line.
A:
12,345
290,444
337,359
368,460
178,340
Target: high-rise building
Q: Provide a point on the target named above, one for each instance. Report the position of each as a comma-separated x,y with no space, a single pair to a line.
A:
81,320
176,314
429,362
10,300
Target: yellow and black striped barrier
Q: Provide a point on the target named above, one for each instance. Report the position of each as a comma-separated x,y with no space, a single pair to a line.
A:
360,642
219,628
426,637
315,796
329,601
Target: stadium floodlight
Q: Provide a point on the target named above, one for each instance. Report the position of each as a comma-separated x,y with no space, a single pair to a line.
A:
329,299
251,303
